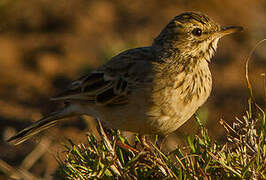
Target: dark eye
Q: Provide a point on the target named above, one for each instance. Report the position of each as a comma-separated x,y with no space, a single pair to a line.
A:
197,32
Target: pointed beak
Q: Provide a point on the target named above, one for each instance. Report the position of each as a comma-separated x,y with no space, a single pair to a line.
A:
228,30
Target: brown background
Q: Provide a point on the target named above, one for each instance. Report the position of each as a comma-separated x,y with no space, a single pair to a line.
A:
44,44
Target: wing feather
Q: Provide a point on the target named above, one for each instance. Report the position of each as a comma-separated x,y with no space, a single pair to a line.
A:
111,83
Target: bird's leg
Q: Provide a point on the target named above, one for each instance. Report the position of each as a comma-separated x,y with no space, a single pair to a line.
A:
144,142
161,141
126,147
104,137
107,135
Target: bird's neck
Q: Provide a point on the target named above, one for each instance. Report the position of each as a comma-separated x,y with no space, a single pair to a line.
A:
172,62
185,52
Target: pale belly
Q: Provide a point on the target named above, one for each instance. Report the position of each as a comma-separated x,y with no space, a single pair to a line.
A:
143,117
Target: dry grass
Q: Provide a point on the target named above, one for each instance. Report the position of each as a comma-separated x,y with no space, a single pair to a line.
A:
241,156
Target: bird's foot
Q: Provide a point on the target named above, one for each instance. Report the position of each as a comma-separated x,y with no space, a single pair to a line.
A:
145,144
126,147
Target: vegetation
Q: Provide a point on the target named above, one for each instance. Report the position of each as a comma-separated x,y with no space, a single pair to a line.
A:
241,156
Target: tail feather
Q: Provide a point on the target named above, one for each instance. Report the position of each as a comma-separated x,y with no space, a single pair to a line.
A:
40,125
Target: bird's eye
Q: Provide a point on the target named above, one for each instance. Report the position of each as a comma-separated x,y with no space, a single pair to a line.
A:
197,32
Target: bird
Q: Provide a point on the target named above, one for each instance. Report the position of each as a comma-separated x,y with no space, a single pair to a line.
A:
146,90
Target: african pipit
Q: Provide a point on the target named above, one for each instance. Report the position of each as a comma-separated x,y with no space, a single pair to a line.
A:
147,90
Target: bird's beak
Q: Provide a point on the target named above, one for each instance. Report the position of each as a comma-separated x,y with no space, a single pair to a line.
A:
228,30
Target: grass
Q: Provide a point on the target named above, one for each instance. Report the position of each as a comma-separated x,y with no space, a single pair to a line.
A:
241,156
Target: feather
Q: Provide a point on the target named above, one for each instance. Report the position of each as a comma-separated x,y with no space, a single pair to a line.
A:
42,124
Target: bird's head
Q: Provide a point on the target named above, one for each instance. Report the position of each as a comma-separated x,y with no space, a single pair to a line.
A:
193,34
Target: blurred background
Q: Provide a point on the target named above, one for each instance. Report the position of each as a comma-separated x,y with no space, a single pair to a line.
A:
45,44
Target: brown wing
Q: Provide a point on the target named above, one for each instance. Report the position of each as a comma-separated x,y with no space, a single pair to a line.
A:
111,83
